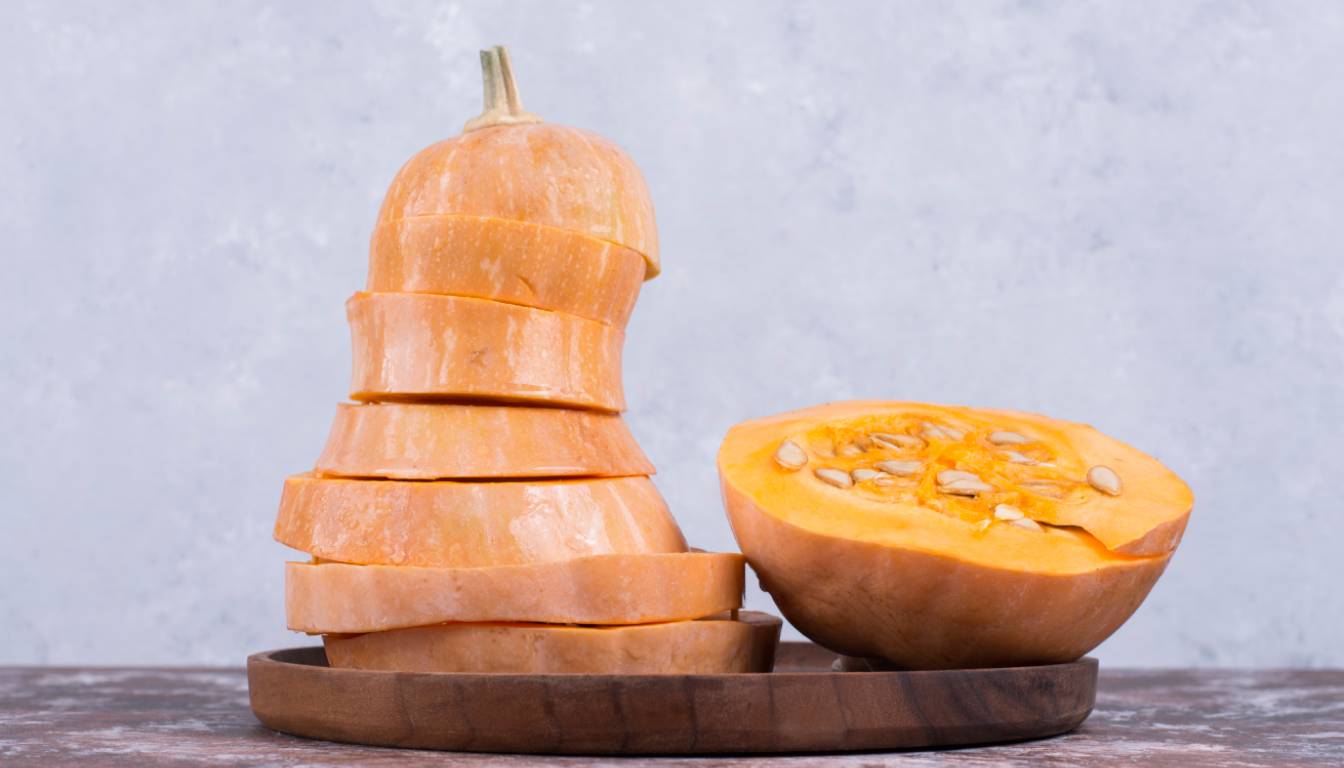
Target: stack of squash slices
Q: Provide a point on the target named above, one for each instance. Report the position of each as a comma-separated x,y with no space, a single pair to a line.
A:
482,506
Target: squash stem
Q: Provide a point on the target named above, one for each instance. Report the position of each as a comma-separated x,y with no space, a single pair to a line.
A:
503,106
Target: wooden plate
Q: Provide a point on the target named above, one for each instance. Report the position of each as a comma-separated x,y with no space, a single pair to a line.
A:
800,707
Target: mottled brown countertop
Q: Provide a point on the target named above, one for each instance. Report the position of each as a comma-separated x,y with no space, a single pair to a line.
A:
178,716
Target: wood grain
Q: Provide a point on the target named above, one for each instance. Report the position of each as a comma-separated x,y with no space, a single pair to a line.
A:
804,707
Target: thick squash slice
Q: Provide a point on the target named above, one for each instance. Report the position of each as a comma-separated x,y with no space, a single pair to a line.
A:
468,525
938,537
323,598
509,261
714,645
420,441
507,164
424,346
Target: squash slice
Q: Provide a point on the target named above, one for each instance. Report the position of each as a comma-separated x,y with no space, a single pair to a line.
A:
510,261
713,645
423,346
472,524
326,597
421,441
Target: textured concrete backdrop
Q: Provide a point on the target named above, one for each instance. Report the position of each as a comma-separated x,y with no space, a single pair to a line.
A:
1123,213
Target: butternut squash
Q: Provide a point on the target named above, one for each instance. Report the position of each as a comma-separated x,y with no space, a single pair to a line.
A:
472,524
713,645
510,261
424,346
507,164
322,598
421,441
941,537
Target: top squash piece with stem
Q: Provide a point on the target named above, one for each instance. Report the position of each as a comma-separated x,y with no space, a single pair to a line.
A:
510,165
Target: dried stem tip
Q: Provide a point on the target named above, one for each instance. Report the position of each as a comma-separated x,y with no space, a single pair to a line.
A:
502,104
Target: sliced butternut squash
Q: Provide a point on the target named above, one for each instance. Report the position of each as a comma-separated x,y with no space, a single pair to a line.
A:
936,537
424,346
511,261
473,524
422,441
507,164
713,645
324,597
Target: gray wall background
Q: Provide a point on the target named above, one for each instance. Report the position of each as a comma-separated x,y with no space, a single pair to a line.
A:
1121,213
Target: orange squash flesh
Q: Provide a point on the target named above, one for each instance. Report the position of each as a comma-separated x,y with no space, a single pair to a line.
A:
902,568
510,261
469,525
420,346
539,173
322,598
714,645
422,441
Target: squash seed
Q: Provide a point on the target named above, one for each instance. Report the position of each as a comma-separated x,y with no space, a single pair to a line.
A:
983,525
1005,437
883,479
933,431
790,455
837,477
850,449
1030,525
1007,512
1019,458
1104,479
862,473
900,468
959,483
897,441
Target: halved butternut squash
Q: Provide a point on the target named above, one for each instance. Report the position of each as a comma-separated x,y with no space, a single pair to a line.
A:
937,537
473,524
322,598
713,645
507,164
425,346
423,441
511,261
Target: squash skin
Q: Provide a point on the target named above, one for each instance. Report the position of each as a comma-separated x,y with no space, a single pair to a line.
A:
539,173
422,441
925,590
921,610
509,261
322,598
420,346
472,525
714,645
